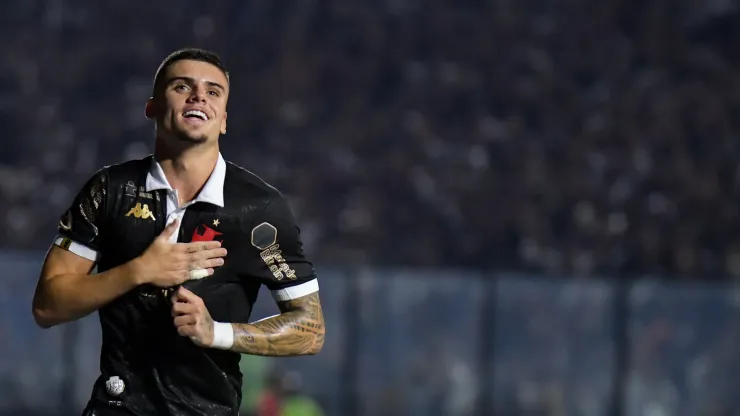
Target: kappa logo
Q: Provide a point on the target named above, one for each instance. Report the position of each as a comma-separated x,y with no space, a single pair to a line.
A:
206,233
141,211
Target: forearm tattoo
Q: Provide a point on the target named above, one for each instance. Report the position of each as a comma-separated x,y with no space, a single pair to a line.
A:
298,330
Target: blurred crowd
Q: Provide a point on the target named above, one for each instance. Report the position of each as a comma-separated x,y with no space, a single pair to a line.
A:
559,136
564,137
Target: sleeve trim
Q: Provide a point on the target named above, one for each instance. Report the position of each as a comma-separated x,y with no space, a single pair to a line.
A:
295,292
81,250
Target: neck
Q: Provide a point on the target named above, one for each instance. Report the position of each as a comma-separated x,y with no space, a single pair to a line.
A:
186,169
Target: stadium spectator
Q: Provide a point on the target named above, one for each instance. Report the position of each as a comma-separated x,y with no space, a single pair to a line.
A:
536,135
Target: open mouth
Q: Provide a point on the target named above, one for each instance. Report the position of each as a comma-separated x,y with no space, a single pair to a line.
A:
195,115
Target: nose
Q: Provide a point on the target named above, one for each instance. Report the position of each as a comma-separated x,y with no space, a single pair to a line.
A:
198,94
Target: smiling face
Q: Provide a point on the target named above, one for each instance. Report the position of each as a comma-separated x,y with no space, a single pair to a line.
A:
189,105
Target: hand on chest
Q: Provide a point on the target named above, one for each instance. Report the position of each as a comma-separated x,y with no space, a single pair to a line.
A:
202,227
202,223
143,218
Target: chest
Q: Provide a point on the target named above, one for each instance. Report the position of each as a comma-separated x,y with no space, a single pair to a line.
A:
137,220
139,216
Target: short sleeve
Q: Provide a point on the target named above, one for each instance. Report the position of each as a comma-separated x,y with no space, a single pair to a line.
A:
80,225
279,261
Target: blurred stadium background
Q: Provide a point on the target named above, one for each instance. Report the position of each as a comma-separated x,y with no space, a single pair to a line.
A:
517,207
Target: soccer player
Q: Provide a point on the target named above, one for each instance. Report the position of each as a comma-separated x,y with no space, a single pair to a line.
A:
182,241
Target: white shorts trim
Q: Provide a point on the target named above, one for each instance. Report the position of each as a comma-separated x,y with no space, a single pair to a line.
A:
297,291
77,248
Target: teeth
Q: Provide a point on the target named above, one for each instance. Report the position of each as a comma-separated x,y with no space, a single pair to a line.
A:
196,113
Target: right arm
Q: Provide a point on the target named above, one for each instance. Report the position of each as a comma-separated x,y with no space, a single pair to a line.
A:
66,290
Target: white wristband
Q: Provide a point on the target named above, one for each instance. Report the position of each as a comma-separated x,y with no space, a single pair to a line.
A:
223,336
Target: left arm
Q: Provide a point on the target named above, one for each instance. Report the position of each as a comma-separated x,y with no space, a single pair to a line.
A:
297,330
280,263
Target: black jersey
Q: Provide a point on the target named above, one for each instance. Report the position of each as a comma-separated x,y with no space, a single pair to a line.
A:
146,367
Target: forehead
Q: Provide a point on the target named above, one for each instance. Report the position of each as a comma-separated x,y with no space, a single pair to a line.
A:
197,70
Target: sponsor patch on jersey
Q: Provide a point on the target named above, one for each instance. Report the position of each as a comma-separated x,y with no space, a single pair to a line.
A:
274,260
130,189
264,235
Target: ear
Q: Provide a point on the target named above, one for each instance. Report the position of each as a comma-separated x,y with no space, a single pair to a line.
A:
223,123
150,111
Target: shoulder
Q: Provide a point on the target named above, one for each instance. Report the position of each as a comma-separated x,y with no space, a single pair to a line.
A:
248,183
119,174
257,201
129,170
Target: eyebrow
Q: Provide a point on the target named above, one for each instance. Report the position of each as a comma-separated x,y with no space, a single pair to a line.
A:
191,80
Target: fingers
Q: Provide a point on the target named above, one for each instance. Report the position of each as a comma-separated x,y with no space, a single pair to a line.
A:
200,246
207,259
167,264
191,317
208,254
184,320
184,295
182,308
186,331
207,264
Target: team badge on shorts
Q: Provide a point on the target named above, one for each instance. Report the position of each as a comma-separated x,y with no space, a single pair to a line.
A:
114,386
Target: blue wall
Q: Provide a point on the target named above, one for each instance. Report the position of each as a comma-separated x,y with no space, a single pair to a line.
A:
437,342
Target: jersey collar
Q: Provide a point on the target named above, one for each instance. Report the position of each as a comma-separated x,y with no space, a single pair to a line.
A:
212,192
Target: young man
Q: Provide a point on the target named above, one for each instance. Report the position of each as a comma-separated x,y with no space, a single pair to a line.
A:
183,241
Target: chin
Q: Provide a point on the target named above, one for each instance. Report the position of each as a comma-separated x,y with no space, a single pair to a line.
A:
192,137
